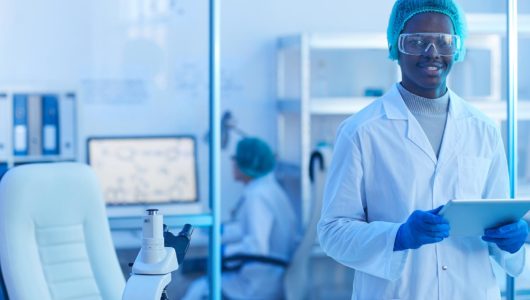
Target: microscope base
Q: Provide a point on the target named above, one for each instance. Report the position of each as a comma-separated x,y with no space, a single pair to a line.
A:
146,287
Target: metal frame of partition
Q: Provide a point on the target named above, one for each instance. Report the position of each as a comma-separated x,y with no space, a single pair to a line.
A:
215,149
512,100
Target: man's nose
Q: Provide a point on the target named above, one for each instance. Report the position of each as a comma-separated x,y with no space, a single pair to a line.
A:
431,51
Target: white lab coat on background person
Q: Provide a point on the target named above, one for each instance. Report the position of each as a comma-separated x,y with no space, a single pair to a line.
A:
387,169
262,223
268,227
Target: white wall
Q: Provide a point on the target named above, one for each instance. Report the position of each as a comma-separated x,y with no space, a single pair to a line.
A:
90,43
40,41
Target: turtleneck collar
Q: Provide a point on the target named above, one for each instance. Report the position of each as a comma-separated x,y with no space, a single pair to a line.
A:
425,106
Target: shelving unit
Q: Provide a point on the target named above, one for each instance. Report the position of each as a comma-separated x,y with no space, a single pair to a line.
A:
324,78
45,128
307,87
478,77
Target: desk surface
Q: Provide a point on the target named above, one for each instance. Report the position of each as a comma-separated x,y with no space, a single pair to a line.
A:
135,222
131,238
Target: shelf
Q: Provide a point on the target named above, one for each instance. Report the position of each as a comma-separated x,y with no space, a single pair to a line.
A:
348,41
339,106
497,109
135,222
336,41
350,105
43,158
327,106
495,23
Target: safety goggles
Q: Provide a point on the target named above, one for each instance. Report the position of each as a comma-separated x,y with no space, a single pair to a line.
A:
420,43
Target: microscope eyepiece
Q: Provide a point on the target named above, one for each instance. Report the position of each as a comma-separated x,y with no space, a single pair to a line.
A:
152,211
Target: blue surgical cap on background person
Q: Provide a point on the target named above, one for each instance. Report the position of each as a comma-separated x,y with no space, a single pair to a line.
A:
254,157
404,10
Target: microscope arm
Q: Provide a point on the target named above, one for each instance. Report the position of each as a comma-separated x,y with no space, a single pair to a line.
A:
151,271
146,287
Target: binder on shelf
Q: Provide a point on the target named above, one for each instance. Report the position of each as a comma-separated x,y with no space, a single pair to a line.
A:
67,128
3,168
5,124
20,124
50,125
34,125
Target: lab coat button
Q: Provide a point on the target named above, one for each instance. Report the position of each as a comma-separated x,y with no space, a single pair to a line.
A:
444,268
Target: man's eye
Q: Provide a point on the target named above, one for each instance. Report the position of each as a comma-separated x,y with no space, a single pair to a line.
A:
444,43
417,43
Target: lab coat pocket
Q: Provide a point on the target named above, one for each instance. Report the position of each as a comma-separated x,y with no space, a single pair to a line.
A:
472,175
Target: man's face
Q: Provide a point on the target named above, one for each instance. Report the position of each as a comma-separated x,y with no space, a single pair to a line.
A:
425,75
236,172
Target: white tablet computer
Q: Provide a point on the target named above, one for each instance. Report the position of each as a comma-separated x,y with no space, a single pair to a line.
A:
472,217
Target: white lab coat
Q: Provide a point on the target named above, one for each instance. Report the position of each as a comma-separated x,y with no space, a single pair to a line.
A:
383,169
263,223
267,225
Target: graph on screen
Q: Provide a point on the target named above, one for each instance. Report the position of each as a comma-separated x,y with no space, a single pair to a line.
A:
144,170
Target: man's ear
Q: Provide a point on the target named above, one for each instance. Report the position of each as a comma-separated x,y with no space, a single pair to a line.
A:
398,60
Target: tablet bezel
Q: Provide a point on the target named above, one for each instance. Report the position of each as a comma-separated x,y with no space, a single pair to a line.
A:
470,217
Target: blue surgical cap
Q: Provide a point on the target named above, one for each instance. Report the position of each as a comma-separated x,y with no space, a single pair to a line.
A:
404,10
254,157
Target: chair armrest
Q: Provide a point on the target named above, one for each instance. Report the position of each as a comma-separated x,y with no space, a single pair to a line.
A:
236,262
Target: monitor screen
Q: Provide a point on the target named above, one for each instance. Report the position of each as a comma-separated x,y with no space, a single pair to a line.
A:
144,170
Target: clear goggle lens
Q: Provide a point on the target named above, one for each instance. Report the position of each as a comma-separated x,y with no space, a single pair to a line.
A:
421,43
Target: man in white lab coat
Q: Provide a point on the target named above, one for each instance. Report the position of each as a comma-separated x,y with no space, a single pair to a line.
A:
405,155
263,223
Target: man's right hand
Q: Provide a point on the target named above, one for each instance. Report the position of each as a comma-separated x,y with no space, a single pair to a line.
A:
422,227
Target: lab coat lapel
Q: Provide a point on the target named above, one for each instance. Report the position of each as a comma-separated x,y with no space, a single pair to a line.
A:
416,134
450,137
452,131
395,108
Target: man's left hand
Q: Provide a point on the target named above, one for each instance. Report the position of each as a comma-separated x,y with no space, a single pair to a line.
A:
509,237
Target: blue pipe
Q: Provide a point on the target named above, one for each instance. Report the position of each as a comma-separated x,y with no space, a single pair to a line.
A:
215,150
512,100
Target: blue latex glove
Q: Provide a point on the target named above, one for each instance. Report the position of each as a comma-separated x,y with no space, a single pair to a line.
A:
422,227
509,237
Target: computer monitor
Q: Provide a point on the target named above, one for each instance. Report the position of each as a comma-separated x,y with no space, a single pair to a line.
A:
145,170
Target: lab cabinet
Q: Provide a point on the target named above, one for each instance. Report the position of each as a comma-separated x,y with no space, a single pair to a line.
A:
37,125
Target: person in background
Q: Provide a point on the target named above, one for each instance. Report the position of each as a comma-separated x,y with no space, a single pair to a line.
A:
399,160
262,223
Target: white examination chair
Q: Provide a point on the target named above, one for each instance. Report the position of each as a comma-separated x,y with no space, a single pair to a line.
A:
55,241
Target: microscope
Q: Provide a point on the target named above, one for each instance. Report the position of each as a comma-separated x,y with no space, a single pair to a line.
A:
161,254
